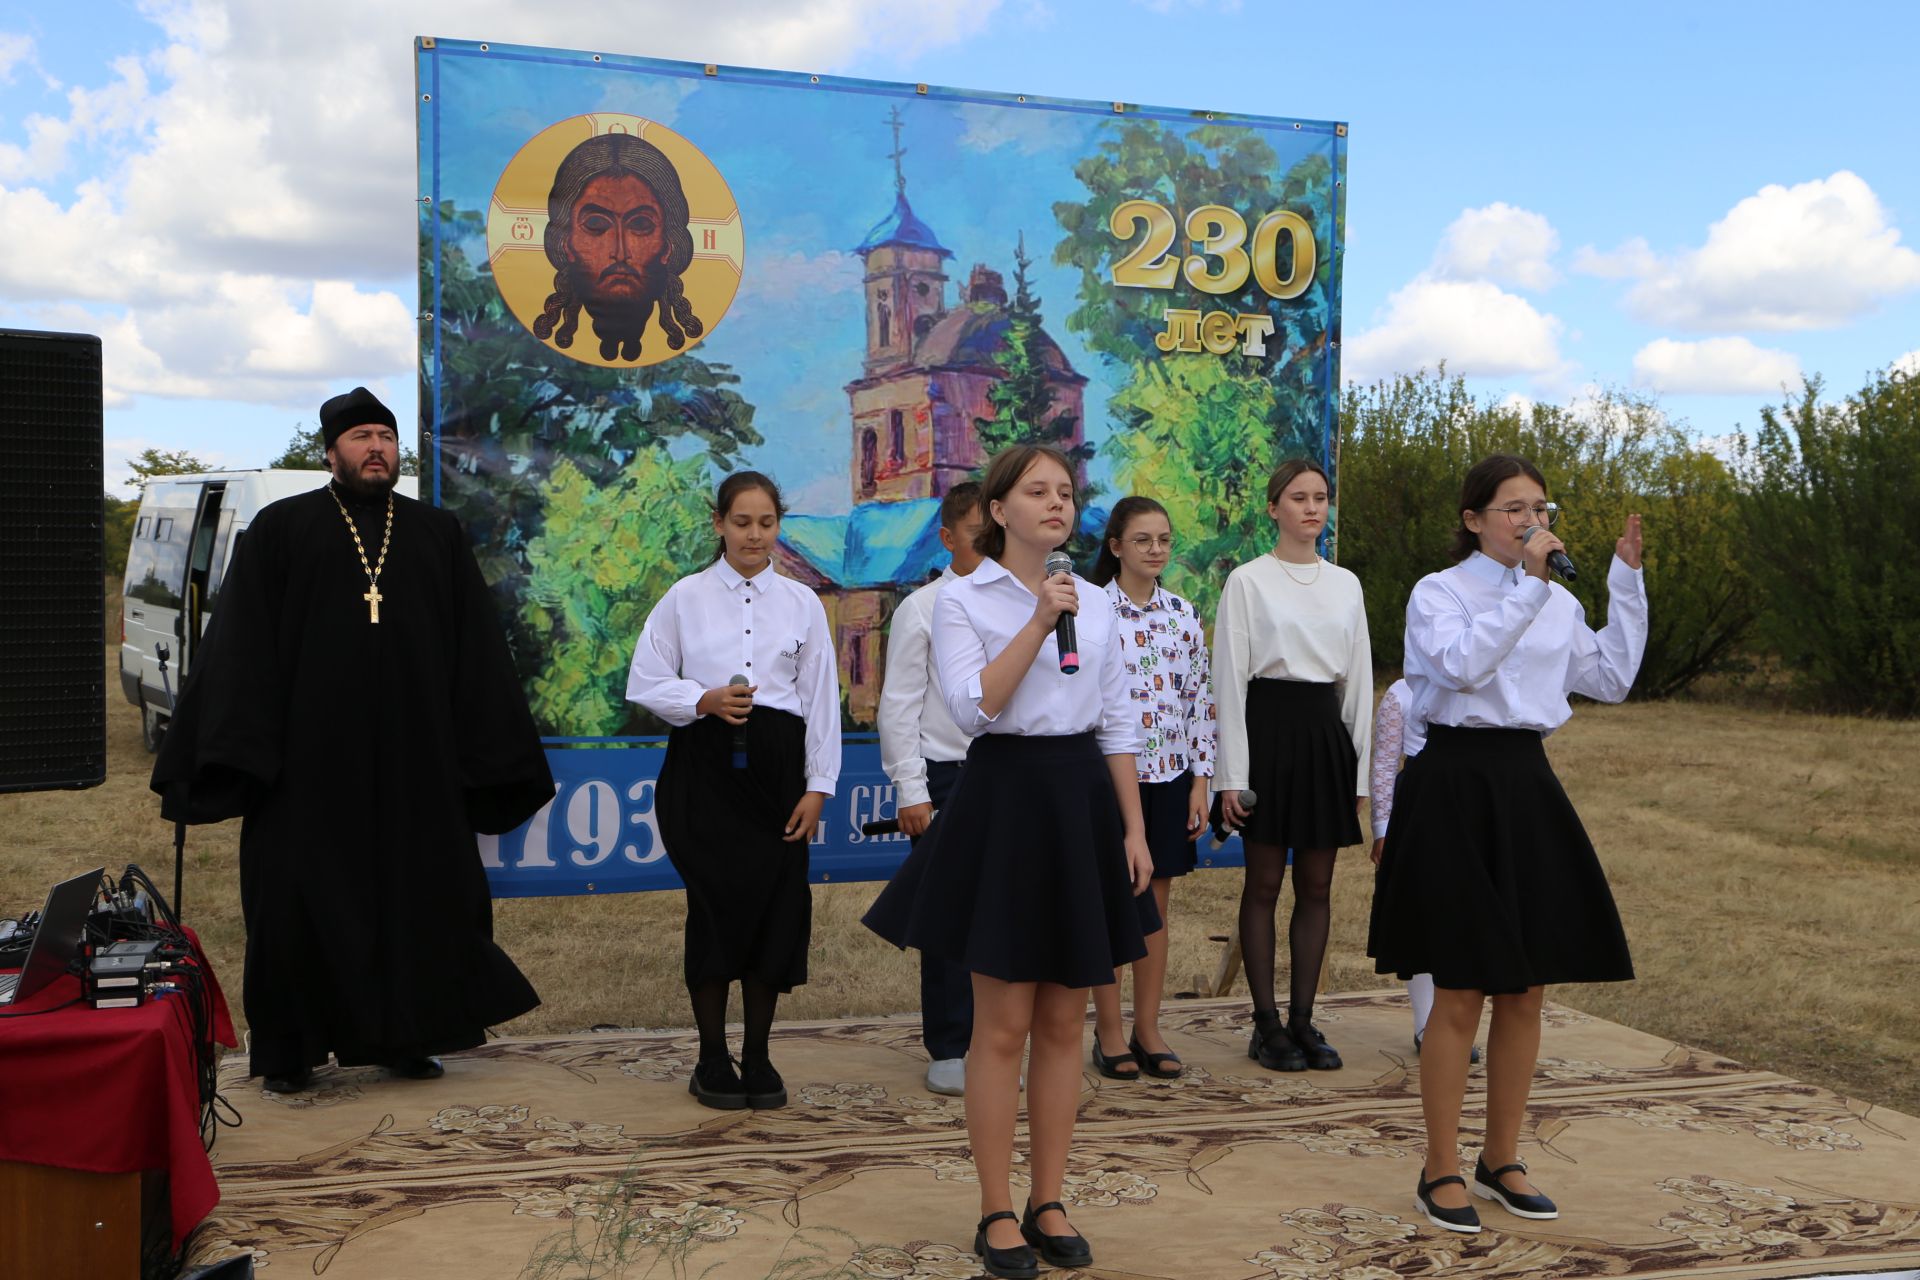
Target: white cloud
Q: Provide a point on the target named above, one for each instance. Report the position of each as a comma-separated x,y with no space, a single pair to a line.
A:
1812,256
1631,259
14,50
792,276
1501,243
1474,326
1716,366
1028,130
1908,364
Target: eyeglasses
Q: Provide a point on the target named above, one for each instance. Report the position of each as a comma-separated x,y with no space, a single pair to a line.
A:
1147,542
1546,513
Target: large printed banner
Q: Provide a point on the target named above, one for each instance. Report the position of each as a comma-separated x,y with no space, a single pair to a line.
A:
639,275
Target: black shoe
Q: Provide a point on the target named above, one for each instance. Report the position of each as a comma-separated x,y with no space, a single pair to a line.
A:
1465,1221
1017,1263
1055,1251
1109,1065
764,1088
1320,1055
1271,1047
1161,1066
417,1068
292,1082
1473,1054
1487,1186
715,1084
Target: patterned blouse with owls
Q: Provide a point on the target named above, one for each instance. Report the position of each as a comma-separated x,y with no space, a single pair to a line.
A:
1164,648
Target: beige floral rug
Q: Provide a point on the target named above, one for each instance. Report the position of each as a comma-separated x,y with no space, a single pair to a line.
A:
583,1155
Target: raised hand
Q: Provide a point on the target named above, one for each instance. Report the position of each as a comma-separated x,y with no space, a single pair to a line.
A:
1628,548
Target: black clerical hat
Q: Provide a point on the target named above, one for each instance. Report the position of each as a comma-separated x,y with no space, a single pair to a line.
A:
354,409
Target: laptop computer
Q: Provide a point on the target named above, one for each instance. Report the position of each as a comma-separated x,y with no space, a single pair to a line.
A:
56,943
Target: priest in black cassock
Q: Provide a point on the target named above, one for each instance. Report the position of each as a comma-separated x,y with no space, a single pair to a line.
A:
354,703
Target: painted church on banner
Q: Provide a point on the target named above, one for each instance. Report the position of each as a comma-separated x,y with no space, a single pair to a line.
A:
924,381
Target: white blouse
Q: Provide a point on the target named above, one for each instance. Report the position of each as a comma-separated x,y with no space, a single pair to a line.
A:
977,617
1490,647
714,625
1164,648
915,726
1274,626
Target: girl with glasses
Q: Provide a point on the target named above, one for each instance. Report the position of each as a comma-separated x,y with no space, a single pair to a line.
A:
1164,648
1487,880
1295,696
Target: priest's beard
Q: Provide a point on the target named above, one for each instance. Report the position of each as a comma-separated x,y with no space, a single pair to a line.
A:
361,485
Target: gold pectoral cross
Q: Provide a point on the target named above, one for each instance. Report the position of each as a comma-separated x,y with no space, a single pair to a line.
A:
373,598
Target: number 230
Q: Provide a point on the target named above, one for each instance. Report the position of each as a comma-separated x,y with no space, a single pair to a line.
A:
1218,232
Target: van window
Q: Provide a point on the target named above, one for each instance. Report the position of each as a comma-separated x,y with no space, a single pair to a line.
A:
157,566
140,527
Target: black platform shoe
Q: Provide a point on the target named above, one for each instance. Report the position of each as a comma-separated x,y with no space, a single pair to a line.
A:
1271,1046
291,1082
1017,1263
764,1088
716,1084
1320,1055
1465,1221
1055,1251
1487,1186
422,1068
1110,1064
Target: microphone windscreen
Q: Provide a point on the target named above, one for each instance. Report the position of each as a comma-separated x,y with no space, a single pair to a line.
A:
1247,798
739,679
1058,562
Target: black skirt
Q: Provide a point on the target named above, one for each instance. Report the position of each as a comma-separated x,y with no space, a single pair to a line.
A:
1163,806
1301,767
1488,880
749,909
1023,874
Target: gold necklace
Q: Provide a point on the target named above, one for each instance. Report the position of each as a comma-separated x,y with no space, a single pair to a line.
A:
1288,569
372,594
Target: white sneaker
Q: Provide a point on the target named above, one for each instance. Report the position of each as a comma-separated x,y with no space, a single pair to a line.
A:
948,1076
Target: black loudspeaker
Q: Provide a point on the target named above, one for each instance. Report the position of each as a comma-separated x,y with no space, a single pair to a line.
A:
53,710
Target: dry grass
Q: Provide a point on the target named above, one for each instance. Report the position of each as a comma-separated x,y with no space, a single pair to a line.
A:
1765,864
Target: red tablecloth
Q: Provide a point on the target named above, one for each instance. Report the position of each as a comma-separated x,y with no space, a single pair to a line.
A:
109,1090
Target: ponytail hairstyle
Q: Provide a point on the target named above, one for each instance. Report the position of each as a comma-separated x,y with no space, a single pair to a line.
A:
1003,473
1482,482
1107,566
735,485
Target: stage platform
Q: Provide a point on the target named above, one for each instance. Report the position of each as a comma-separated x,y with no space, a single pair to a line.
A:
587,1152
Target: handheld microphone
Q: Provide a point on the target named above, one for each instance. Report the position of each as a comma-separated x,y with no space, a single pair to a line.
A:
1218,819
1063,633
1558,561
739,732
881,827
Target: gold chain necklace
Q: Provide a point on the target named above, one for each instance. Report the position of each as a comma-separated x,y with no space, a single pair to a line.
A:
372,594
1288,570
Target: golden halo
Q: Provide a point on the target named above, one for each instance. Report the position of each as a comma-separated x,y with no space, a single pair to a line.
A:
517,226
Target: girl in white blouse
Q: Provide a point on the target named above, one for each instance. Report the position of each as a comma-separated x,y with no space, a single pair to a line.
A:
740,661
1488,880
1164,645
1034,875
1293,674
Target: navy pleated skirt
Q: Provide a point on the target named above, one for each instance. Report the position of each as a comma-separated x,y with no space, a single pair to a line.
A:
1301,766
1023,874
1488,880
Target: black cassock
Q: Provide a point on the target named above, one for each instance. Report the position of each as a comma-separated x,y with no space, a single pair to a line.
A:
362,759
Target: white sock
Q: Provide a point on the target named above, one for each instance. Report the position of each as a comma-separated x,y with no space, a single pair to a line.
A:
1420,991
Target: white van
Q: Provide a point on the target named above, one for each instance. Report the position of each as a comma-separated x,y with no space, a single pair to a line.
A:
183,539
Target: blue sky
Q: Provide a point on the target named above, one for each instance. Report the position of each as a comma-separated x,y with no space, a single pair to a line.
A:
1698,201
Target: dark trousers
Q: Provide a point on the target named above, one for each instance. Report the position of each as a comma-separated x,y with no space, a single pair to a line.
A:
946,989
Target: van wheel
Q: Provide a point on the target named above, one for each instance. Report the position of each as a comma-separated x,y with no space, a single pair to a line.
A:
153,726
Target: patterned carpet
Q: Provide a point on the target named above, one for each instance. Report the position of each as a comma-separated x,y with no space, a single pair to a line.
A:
579,1155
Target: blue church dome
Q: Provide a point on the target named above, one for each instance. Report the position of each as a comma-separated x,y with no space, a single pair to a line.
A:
901,227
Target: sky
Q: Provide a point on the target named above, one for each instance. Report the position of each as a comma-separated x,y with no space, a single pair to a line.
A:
1700,202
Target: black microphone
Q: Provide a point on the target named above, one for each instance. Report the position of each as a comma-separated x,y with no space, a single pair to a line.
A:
1069,644
739,732
881,827
1218,818
1558,561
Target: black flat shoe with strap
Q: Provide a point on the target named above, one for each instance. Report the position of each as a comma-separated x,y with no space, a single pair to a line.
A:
1017,1263
1271,1047
1465,1221
1056,1251
1161,1066
1487,1185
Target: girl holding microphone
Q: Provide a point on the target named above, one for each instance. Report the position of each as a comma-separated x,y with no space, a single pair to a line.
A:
1488,880
1034,877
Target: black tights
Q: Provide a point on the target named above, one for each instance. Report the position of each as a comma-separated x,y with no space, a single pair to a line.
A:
710,1016
1306,930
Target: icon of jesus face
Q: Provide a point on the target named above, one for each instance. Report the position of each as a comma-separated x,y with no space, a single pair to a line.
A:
617,240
